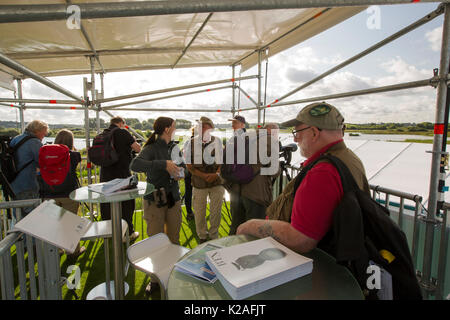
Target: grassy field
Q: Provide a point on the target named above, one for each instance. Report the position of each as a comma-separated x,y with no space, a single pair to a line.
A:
92,262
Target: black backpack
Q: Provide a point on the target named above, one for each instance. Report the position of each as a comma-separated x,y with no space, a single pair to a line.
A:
363,233
7,163
102,153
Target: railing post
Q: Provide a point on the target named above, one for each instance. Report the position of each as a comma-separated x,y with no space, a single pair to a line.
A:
436,194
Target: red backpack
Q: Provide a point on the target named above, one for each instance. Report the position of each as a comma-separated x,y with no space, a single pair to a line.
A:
54,163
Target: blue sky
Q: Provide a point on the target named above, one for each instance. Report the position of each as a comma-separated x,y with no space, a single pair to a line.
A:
412,57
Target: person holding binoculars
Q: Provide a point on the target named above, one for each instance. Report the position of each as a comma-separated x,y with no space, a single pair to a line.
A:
162,207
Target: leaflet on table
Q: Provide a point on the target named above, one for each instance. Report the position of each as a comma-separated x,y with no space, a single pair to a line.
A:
195,265
114,186
249,268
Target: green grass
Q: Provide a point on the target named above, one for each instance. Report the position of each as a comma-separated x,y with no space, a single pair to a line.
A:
92,262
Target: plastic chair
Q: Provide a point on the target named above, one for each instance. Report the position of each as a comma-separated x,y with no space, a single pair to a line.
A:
156,257
103,229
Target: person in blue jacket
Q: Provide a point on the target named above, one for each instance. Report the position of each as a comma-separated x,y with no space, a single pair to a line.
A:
25,185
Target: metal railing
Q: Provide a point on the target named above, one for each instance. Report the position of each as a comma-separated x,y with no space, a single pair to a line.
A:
409,213
443,249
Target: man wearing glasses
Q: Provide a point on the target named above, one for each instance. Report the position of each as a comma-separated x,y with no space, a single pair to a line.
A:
318,129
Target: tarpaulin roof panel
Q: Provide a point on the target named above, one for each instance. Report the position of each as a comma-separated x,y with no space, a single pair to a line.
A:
164,41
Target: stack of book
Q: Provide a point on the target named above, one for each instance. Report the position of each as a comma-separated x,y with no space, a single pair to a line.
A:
195,265
250,268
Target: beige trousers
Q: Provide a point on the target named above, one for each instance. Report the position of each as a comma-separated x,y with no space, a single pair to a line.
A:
156,218
199,200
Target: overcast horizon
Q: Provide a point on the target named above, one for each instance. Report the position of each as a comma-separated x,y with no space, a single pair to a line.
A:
409,58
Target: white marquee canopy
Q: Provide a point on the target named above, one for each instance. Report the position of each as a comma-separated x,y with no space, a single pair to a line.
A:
162,41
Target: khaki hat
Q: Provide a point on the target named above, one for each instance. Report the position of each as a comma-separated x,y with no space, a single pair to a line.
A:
319,114
206,120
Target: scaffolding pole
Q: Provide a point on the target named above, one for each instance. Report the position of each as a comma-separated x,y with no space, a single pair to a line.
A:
102,93
247,95
162,98
35,107
21,106
163,109
52,12
86,126
135,95
436,192
192,40
259,87
52,101
394,87
24,70
126,51
376,46
233,91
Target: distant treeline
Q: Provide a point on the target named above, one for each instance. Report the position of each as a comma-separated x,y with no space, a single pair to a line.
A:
145,127
425,128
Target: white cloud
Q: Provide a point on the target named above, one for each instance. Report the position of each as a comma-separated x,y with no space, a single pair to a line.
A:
413,105
434,37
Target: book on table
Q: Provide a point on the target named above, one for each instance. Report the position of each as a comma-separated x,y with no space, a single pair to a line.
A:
55,225
195,264
115,186
249,268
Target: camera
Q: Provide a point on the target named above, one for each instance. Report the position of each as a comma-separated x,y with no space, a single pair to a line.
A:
4,143
286,152
160,197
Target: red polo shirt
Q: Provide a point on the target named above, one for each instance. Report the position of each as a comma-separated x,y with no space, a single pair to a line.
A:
316,198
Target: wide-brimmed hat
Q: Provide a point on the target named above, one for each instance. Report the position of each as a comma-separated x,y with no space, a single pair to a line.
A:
206,120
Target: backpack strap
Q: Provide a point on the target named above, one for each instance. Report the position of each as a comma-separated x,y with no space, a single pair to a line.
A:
17,146
347,179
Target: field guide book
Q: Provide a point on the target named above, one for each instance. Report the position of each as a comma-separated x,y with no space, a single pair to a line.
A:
195,265
55,225
250,268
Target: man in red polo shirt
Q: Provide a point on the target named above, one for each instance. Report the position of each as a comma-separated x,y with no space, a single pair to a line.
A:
318,129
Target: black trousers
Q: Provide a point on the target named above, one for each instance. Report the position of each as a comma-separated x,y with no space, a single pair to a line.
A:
243,209
188,193
127,212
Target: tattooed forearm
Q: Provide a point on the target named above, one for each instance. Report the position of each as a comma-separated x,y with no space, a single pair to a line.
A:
266,231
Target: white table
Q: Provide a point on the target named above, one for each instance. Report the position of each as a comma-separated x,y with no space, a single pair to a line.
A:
84,194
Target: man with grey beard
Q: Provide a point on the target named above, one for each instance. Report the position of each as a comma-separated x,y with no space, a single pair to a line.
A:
318,129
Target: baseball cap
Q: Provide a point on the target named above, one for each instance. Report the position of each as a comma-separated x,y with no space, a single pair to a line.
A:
238,118
206,120
319,114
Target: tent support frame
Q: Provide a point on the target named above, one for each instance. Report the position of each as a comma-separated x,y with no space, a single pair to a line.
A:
52,12
57,12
